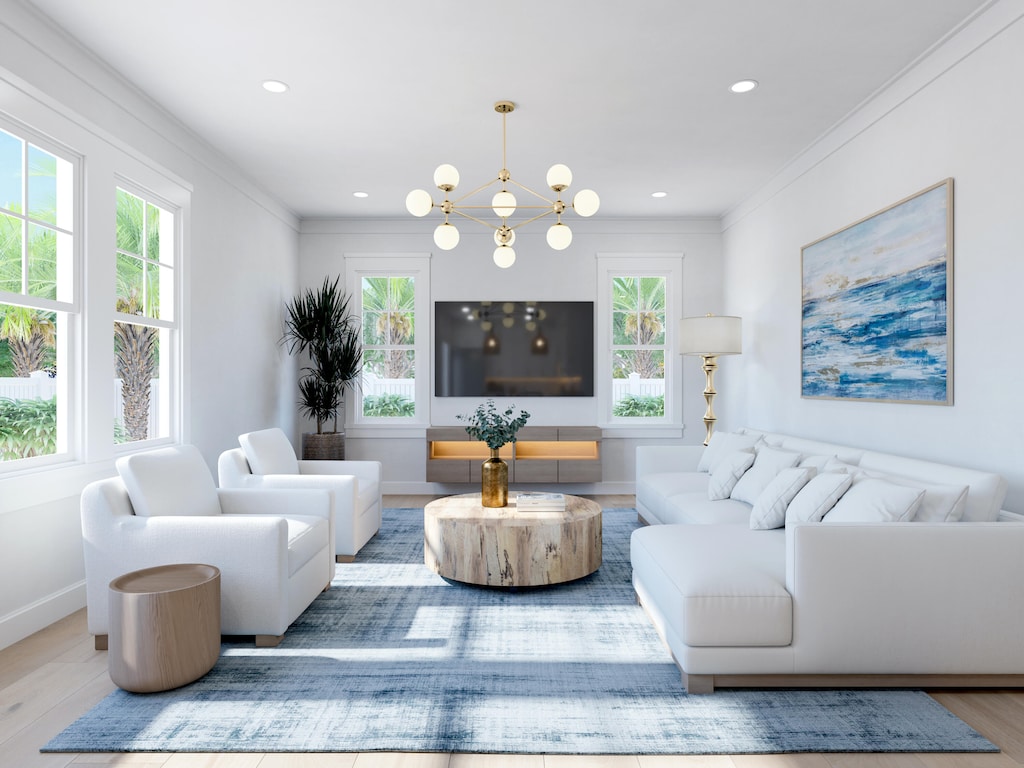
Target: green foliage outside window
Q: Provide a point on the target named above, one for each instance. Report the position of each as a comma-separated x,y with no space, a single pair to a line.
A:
643,405
27,428
388,405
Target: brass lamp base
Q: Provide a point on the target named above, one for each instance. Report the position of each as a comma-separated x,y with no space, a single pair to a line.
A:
710,366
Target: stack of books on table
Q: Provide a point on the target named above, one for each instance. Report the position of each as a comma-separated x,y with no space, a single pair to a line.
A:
541,502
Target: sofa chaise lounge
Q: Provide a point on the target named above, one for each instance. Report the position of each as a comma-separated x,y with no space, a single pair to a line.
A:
926,590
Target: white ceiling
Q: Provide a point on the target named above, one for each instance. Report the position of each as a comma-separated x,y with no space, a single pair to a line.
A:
634,97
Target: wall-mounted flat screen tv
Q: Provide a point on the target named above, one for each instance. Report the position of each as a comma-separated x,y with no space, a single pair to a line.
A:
514,349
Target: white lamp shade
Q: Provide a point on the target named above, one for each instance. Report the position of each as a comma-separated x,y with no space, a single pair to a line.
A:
711,335
559,176
504,204
418,202
446,176
559,236
446,236
504,256
586,202
511,237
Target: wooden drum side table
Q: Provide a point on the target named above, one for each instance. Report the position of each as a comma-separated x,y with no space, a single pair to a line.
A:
508,547
164,626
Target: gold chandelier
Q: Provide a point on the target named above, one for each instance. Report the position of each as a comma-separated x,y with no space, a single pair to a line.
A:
504,204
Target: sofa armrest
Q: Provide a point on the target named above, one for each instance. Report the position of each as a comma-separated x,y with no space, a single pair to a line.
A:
924,598
651,459
366,471
275,501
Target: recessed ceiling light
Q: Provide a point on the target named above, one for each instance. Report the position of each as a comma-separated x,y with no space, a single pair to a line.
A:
743,86
275,86
659,194
360,194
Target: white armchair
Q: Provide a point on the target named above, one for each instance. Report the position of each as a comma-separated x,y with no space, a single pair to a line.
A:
266,459
274,548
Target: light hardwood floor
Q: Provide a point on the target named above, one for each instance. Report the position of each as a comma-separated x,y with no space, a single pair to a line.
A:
53,677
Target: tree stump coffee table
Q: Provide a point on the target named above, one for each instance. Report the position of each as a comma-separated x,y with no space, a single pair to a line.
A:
507,547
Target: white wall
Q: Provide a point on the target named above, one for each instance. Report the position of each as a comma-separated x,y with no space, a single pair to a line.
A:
241,257
954,115
467,272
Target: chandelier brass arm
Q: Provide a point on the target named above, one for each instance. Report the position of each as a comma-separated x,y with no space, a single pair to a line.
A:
503,204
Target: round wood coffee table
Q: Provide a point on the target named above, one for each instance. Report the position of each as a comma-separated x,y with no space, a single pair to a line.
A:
508,547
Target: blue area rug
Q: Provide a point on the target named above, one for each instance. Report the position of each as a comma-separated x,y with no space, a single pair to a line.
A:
395,658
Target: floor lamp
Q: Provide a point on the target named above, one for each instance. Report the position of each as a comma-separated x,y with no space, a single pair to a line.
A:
709,337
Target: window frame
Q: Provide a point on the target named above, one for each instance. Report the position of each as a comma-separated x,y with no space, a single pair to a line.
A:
69,312
171,401
416,266
670,268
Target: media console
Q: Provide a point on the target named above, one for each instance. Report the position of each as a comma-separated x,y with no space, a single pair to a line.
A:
539,455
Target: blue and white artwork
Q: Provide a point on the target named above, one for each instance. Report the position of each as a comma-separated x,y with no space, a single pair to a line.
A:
877,305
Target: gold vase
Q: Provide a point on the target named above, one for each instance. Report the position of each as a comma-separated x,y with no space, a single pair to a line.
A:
494,481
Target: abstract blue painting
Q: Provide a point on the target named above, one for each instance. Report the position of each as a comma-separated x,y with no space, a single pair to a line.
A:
877,305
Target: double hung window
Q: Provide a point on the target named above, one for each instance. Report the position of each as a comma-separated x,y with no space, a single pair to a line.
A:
144,318
38,303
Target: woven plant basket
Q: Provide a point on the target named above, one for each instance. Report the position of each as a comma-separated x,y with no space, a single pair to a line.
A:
328,446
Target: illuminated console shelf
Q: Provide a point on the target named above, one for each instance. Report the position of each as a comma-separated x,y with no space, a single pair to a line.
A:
540,455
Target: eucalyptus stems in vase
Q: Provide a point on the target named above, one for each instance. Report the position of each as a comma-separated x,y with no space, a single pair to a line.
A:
495,428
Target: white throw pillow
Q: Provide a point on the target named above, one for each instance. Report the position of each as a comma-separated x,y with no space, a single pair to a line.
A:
169,481
817,461
727,472
941,503
721,445
767,464
817,497
770,508
872,500
269,452
835,465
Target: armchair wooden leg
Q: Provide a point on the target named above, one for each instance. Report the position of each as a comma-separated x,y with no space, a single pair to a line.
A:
101,642
268,641
344,558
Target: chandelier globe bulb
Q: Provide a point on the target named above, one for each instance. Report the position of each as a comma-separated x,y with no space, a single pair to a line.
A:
559,236
559,177
418,202
446,236
504,256
504,204
504,235
446,177
586,202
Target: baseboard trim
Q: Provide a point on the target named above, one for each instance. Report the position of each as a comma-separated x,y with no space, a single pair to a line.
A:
28,620
708,683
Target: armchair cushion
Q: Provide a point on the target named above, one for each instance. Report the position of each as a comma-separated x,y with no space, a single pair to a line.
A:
169,481
269,452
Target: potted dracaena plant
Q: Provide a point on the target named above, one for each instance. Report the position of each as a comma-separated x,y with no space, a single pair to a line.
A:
495,428
319,324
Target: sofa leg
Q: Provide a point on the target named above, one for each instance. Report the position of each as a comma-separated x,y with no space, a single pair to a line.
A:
101,642
698,683
344,558
268,641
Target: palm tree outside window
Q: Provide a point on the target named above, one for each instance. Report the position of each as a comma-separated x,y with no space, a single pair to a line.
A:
638,346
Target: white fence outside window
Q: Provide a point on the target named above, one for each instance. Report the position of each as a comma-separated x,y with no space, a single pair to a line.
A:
39,386
637,387
373,386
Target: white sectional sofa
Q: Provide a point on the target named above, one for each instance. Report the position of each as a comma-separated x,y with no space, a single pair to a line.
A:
921,587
